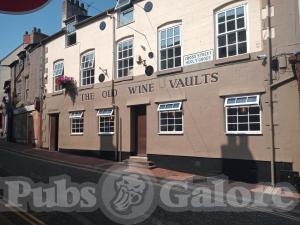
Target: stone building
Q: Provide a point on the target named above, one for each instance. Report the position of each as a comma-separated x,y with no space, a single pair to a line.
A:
26,86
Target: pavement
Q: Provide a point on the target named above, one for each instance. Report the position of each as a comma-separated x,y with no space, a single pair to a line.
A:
158,173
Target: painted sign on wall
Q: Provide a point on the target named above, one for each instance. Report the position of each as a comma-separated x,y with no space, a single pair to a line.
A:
199,57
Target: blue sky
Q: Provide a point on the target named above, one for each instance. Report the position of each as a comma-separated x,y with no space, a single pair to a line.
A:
48,19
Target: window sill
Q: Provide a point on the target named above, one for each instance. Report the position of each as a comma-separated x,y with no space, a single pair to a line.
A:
233,59
120,26
170,133
106,134
243,133
57,93
85,87
123,79
79,134
169,71
69,46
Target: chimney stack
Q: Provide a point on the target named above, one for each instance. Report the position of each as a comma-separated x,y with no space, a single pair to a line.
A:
72,8
26,38
35,37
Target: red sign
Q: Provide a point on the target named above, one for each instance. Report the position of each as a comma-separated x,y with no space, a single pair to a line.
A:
21,6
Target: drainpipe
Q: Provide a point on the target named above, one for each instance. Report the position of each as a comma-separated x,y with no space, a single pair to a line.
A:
271,110
118,156
41,94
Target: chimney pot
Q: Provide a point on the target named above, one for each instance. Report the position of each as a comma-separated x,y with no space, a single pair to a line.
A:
82,5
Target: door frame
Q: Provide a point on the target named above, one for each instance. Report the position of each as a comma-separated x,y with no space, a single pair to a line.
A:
133,128
57,130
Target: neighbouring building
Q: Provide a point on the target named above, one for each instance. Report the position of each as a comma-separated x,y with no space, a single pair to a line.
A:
26,86
198,86
5,89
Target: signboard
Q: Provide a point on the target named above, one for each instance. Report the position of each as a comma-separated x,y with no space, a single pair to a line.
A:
27,108
199,57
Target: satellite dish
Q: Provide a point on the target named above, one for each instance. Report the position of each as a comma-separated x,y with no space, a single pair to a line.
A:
151,55
101,78
148,7
149,70
102,25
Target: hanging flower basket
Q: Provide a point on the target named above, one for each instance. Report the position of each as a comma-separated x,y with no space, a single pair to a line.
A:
65,82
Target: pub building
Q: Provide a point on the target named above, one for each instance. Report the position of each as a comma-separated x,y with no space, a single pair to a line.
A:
197,86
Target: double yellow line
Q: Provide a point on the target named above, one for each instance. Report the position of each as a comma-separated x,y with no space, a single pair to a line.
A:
25,216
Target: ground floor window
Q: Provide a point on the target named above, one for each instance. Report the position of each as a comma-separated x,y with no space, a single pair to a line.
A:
243,115
106,121
76,120
170,118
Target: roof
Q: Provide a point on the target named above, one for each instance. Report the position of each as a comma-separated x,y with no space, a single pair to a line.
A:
84,22
5,57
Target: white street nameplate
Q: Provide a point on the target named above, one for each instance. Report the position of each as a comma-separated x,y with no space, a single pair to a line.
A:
199,57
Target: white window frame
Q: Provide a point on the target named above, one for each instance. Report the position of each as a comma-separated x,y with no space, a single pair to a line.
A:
58,72
76,115
73,32
246,28
165,28
90,67
173,107
245,104
122,3
123,12
106,113
130,70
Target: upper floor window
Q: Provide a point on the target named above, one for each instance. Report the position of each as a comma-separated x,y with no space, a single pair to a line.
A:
27,88
231,32
71,34
125,58
122,3
19,90
243,115
88,68
58,71
170,47
125,16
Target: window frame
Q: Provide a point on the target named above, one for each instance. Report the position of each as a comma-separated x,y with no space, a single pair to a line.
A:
126,58
26,81
170,110
110,113
89,68
55,76
130,8
246,27
239,105
72,117
69,34
120,6
172,25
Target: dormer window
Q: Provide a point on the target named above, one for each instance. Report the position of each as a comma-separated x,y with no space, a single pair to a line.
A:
125,12
71,34
121,4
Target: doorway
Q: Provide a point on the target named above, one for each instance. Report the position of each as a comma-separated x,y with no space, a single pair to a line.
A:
30,131
139,130
54,127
